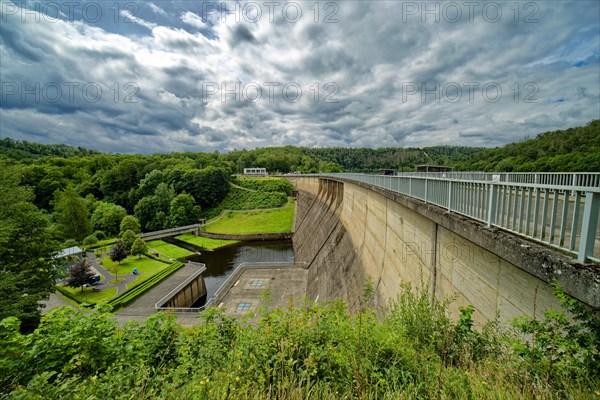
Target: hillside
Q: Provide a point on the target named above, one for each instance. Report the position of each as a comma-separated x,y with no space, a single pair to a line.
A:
19,150
574,149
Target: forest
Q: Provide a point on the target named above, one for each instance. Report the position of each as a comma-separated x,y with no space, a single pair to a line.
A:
56,196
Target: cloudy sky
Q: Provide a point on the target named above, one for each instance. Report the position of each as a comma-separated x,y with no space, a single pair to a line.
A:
168,76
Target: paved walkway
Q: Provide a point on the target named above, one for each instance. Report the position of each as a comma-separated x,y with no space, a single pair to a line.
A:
143,306
53,302
56,301
108,276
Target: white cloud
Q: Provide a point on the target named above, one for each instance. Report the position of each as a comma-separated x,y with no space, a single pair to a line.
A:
128,15
157,10
194,20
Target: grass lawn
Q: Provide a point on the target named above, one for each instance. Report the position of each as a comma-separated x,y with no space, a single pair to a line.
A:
203,242
168,250
146,265
147,274
90,296
261,221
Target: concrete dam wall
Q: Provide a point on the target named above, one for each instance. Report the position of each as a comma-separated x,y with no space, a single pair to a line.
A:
347,232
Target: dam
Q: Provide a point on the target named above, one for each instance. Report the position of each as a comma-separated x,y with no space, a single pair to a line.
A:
351,228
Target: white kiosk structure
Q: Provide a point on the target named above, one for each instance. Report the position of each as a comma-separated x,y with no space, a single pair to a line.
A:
255,171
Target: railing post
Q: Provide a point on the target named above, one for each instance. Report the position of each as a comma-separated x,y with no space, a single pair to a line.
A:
449,195
588,226
425,190
492,203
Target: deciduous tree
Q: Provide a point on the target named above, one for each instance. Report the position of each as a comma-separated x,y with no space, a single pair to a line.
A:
107,217
139,247
72,214
183,211
118,252
130,222
27,270
80,274
128,238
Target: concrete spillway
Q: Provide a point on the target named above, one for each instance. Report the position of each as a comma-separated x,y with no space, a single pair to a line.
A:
347,232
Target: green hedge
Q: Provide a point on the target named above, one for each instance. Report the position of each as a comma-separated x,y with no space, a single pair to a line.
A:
152,256
265,184
129,295
240,199
68,294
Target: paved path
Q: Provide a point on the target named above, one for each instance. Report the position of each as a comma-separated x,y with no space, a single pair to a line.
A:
53,302
56,301
143,306
108,276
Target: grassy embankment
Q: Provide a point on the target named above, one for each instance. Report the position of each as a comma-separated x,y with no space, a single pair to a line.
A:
258,221
267,211
261,193
168,250
88,295
205,243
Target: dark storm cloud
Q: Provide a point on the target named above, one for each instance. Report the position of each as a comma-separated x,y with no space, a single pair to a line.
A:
163,68
241,34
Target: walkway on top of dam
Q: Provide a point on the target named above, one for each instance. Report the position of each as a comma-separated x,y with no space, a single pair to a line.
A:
556,209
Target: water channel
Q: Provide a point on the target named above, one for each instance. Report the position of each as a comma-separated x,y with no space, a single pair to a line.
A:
221,263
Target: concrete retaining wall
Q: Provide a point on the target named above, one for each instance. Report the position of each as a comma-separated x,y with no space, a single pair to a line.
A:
188,295
250,238
347,232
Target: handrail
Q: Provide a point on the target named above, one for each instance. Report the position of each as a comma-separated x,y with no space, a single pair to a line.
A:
554,208
170,230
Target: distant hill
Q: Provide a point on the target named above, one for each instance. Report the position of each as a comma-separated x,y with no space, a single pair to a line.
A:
574,149
21,149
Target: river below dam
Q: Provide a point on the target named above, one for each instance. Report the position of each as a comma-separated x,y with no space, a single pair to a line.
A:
221,263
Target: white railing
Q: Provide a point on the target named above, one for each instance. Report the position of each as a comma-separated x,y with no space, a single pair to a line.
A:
557,209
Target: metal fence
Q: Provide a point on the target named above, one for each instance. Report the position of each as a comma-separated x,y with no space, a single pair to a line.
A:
557,209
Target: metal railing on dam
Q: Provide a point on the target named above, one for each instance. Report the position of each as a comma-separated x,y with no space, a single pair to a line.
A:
556,209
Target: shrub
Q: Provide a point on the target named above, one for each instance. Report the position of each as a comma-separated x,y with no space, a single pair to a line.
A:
90,240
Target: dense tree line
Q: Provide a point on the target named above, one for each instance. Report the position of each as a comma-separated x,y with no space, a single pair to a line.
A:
22,149
574,149
27,270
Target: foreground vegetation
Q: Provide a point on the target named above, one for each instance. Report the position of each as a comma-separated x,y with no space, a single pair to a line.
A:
258,221
307,351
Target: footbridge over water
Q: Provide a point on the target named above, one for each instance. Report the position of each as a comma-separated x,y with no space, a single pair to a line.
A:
195,228
494,241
